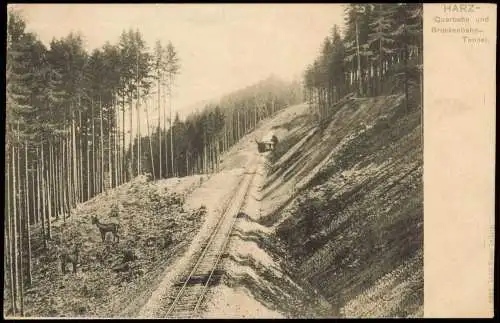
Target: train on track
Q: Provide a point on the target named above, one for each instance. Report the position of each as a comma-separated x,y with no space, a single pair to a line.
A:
267,143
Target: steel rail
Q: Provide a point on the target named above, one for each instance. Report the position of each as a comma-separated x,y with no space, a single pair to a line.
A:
184,291
224,245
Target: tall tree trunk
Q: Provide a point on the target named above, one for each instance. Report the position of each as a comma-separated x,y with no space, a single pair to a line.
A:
150,144
159,127
380,62
47,197
131,164
171,122
102,186
70,167
53,183
114,126
165,129
210,156
8,271
119,157
73,186
224,142
212,159
360,84
205,153
238,133
80,150
200,163
62,168
98,166
214,148
15,239
94,172
218,154
10,233
87,148
28,222
122,148
139,151
110,146
421,86
421,76
73,153
57,171
67,173
34,207
405,62
117,144
255,117
21,228
41,195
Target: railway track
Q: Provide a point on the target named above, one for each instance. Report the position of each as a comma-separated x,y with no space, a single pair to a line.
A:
191,290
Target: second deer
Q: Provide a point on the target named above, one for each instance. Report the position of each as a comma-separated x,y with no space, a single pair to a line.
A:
104,228
70,257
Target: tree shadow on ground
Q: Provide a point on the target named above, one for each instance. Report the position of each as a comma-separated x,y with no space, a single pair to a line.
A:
276,292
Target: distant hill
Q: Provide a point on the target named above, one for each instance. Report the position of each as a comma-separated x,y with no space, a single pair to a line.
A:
189,109
272,84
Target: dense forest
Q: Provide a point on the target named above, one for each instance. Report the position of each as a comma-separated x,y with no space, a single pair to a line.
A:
202,137
380,52
69,132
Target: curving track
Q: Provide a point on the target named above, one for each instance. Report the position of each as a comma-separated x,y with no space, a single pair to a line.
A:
206,269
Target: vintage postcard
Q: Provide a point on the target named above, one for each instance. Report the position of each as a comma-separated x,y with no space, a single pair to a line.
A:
249,160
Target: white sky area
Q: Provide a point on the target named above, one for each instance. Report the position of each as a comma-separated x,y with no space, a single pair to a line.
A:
222,47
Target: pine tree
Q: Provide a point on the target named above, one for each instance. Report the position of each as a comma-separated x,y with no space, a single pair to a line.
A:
173,67
380,41
160,68
407,35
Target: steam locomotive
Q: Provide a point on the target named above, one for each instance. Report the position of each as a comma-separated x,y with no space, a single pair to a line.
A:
267,143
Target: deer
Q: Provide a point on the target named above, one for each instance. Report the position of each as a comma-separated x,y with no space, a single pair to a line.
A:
104,228
70,257
275,140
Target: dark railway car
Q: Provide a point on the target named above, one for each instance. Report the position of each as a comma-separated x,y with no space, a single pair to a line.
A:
267,143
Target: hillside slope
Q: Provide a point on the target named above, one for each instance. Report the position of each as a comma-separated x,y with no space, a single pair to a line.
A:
155,227
353,225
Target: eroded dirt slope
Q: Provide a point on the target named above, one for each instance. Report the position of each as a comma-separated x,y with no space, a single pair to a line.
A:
353,222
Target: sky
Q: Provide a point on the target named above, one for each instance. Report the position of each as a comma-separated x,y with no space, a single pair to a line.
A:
222,47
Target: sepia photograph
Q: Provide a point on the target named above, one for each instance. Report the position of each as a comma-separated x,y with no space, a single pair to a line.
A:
214,161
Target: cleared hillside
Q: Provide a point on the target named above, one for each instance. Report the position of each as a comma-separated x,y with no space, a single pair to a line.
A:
154,229
354,225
